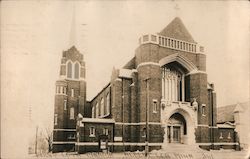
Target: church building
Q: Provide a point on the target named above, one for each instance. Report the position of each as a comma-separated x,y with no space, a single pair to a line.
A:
160,97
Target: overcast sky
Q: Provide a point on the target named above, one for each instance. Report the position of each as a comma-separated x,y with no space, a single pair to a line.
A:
34,34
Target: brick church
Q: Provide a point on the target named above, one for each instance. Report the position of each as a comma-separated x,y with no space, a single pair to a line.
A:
161,96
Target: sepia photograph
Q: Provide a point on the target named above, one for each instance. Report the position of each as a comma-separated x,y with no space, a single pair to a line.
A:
125,79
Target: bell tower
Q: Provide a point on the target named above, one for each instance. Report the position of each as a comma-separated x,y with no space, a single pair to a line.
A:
70,99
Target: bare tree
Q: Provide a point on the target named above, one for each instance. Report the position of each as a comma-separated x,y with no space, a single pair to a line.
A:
49,138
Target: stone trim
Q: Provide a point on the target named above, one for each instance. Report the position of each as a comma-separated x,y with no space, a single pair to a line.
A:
64,130
140,123
118,79
147,63
118,144
225,126
203,125
180,59
171,43
195,72
80,79
97,120
218,143
63,142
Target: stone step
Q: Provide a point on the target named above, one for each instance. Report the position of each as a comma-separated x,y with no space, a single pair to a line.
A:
178,150
181,148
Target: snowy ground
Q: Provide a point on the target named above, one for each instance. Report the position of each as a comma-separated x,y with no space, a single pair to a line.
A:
222,154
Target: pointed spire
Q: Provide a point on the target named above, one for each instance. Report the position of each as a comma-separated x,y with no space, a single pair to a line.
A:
72,36
238,108
177,30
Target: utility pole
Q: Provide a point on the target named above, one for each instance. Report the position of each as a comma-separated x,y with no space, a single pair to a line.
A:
36,140
147,117
123,128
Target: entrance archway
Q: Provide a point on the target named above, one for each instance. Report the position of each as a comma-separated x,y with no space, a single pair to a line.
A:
176,128
179,125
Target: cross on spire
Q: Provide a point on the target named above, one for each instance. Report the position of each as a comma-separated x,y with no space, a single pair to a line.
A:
177,9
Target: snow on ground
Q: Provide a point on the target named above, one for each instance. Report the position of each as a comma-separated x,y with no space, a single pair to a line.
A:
214,154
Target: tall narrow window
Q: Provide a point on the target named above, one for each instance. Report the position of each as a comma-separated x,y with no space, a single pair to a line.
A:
93,112
65,90
65,104
102,107
55,120
69,70
229,135
173,84
72,92
96,110
92,131
105,131
144,132
221,137
203,109
72,113
108,103
76,70
61,90
154,106
57,89
180,90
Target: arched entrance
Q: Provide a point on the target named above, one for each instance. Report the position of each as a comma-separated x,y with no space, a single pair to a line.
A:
179,123
176,128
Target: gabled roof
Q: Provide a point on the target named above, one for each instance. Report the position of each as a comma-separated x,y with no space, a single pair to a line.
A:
177,30
226,113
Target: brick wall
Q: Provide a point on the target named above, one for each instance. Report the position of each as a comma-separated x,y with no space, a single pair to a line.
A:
154,53
103,95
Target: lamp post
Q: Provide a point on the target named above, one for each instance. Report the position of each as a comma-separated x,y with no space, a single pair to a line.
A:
147,117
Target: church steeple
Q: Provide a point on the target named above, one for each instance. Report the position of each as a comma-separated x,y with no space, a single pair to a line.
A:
72,34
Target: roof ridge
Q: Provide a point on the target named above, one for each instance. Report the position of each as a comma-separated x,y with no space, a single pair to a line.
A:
176,29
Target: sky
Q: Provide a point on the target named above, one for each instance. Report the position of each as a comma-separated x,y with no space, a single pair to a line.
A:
34,34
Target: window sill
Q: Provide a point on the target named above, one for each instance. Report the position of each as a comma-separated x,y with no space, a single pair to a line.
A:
103,116
155,112
91,135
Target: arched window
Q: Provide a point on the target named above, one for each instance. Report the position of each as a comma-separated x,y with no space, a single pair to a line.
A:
76,70
108,104
96,110
102,107
173,84
69,70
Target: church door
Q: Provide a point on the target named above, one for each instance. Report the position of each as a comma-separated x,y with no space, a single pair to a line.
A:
176,134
